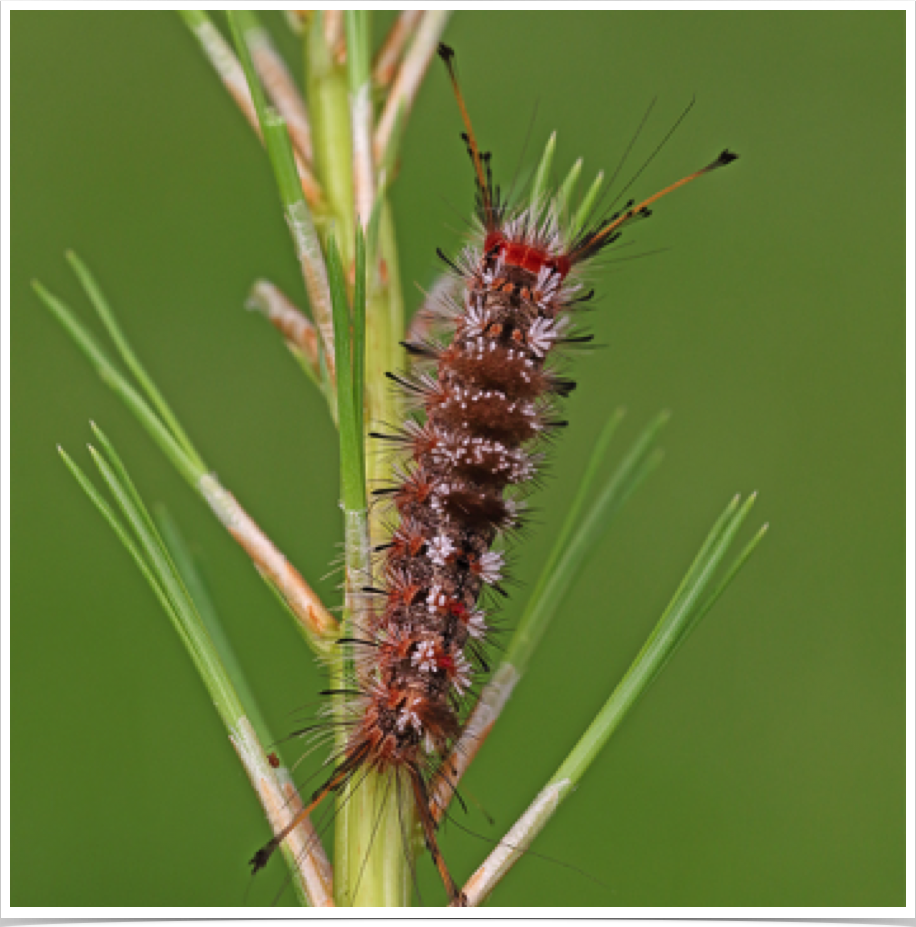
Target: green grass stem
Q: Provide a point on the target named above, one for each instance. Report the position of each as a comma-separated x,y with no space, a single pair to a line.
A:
350,426
359,343
327,92
241,21
357,24
280,151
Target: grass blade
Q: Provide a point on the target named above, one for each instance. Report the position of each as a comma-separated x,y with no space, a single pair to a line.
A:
359,343
239,22
191,468
352,475
356,812
541,181
583,213
730,574
199,646
679,619
123,535
128,485
669,634
579,536
109,320
312,619
81,335
567,189
309,868
187,569
278,83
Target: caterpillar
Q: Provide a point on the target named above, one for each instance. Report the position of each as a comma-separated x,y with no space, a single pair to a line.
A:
481,412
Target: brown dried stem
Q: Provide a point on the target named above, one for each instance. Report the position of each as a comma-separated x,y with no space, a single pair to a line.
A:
281,803
389,55
282,89
361,113
335,35
295,326
318,625
409,78
480,722
227,66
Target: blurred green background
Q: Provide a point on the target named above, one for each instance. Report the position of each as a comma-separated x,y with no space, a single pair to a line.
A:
766,766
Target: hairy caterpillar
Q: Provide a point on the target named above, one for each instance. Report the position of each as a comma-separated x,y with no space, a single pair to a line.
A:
483,409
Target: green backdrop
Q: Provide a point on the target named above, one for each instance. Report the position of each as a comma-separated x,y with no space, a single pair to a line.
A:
766,767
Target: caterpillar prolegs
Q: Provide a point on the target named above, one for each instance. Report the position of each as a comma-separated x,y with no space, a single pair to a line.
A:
481,411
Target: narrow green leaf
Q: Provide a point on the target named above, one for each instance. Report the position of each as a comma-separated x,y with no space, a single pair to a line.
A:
686,591
194,582
189,468
583,213
283,163
273,126
567,189
194,18
733,570
123,535
359,342
240,21
358,51
574,512
125,480
84,340
139,519
200,647
350,429
541,182
327,93
154,562
684,611
679,619
580,535
109,320
280,150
